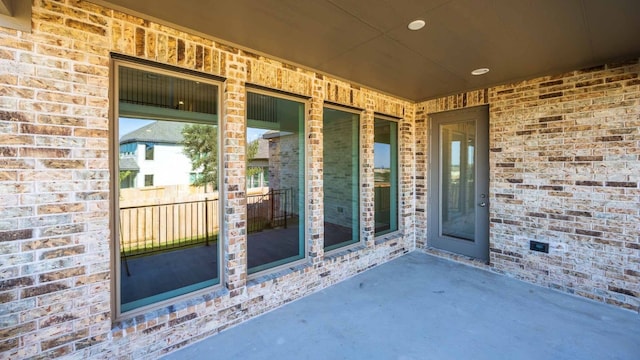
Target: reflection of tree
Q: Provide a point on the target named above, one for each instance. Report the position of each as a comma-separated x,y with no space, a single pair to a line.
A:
200,144
382,175
125,175
201,147
385,176
252,151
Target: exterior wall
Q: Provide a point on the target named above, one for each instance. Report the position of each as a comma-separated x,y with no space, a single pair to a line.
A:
564,169
170,166
56,278
139,157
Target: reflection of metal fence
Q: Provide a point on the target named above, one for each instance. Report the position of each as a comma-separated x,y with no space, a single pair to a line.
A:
154,228
151,228
382,202
460,197
270,210
453,195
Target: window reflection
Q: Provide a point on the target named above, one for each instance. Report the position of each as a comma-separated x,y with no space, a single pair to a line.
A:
341,163
168,195
275,181
385,176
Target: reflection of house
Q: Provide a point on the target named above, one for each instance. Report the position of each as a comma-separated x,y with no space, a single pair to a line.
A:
152,156
258,166
283,173
129,171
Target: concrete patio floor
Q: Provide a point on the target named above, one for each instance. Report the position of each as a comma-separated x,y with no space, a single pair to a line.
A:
423,307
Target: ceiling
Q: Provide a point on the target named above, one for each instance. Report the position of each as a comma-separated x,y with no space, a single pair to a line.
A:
367,41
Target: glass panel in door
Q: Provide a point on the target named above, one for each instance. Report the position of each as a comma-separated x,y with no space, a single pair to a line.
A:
458,180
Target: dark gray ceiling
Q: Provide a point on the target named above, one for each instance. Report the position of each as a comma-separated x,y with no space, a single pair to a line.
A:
367,41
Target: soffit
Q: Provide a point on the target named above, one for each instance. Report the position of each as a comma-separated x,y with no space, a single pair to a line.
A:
367,42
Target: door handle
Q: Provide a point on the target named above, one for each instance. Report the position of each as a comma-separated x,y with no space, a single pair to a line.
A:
482,204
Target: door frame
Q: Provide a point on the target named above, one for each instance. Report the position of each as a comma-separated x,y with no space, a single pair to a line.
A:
479,248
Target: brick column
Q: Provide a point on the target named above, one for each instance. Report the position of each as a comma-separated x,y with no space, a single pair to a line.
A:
409,174
421,173
367,194
233,182
314,214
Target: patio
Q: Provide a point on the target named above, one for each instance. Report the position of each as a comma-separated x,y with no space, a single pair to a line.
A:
423,307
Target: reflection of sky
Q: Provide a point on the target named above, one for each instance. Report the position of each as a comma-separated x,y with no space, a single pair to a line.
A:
382,155
455,154
126,125
253,133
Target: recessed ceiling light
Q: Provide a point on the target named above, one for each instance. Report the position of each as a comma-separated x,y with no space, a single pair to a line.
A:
480,71
416,25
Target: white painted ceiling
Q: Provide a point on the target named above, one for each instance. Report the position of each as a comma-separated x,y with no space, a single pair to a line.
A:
367,41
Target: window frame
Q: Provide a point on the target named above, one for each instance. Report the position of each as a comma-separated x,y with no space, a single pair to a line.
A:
118,61
360,126
149,152
306,101
148,178
398,193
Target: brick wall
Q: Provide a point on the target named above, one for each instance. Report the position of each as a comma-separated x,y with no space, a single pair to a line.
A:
56,278
564,169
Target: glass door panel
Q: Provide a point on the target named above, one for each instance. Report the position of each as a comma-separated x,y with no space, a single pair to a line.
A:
458,180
